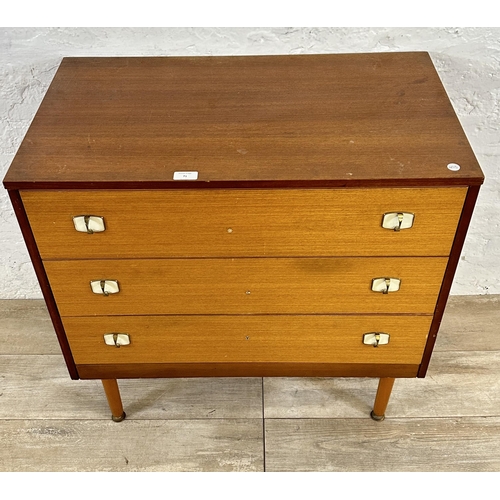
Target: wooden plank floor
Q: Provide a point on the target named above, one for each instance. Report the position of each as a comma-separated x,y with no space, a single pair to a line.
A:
449,421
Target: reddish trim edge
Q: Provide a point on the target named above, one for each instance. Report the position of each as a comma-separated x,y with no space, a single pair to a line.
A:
248,369
29,239
245,184
458,243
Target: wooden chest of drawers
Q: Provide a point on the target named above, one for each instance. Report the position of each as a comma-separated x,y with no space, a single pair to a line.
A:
245,216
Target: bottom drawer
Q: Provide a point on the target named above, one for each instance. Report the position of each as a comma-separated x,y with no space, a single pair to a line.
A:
247,339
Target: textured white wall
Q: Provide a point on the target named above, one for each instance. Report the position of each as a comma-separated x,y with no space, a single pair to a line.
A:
467,59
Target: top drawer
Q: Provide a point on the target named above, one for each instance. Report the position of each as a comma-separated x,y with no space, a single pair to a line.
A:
244,222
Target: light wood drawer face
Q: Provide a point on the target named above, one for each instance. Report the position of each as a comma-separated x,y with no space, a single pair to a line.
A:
209,339
239,223
246,286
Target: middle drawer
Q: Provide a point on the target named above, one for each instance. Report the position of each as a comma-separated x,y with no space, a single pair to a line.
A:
247,286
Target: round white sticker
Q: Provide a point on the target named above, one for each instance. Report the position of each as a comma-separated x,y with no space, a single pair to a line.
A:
453,166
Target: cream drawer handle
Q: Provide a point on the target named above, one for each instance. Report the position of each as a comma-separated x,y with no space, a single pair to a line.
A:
105,287
117,339
397,221
376,338
386,285
89,224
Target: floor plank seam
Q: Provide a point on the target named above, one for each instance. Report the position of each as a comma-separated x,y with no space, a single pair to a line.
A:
263,428
7,354
389,419
466,350
74,420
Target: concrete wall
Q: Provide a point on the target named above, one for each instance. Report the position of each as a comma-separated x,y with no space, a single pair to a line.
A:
467,59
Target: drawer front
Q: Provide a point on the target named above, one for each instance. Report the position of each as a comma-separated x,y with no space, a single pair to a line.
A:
248,222
242,339
246,286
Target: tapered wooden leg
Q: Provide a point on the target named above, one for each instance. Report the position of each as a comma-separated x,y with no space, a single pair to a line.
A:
114,399
382,398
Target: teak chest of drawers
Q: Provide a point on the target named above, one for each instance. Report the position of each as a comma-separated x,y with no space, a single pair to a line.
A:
245,216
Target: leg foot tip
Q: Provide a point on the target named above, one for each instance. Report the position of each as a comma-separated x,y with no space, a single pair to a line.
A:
118,419
377,418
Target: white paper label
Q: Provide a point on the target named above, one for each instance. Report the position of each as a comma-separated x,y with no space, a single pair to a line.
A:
453,167
185,176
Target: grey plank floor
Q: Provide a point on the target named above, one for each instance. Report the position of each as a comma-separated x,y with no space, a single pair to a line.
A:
449,421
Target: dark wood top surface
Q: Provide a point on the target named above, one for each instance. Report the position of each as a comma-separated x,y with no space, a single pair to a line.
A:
244,121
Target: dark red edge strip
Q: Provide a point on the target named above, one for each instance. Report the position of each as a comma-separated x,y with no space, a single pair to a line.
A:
248,369
463,225
242,184
24,224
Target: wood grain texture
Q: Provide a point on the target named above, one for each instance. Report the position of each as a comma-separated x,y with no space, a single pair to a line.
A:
246,286
262,223
131,446
244,339
342,118
452,444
